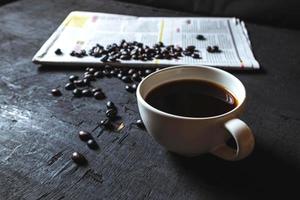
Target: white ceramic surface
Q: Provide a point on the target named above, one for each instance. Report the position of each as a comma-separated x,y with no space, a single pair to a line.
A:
193,136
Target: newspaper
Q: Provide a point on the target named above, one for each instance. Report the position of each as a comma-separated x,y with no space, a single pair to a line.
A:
82,30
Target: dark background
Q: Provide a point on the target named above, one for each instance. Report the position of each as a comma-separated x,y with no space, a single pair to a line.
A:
284,13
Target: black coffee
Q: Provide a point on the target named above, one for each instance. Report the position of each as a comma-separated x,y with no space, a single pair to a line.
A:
191,98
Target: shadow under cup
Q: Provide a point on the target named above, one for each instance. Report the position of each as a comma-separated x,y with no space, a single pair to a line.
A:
189,135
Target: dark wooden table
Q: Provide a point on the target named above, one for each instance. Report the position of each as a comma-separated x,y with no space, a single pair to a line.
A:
38,132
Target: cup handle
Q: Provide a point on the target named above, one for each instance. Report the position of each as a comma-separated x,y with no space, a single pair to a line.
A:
243,137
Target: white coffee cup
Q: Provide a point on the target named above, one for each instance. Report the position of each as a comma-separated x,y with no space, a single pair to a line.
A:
191,136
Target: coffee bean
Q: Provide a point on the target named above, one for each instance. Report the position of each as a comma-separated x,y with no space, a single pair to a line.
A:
89,77
126,79
99,95
110,105
134,87
108,67
111,113
79,83
187,53
78,158
77,92
84,136
195,55
135,77
92,144
98,74
129,88
209,49
70,86
148,71
83,53
87,93
56,92
125,57
113,58
92,70
106,123
131,71
87,73
200,37
86,82
105,58
72,78
216,49
141,72
113,72
190,48
94,90
73,53
140,124
120,76
58,52
106,73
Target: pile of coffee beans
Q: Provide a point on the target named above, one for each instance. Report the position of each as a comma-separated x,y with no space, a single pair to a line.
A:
83,86
125,50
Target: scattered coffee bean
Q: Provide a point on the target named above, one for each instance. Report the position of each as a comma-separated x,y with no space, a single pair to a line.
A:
200,37
87,93
94,90
131,71
140,124
213,49
111,113
113,72
86,82
92,70
58,52
135,77
77,92
110,105
72,78
216,48
98,74
196,55
106,73
78,158
134,87
79,83
89,77
92,144
105,58
106,123
70,86
99,95
120,76
126,79
56,92
84,136
148,71
129,88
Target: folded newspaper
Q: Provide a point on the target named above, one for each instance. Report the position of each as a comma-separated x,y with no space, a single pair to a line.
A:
83,30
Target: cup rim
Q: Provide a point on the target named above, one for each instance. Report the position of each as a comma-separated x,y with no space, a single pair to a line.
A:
142,100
